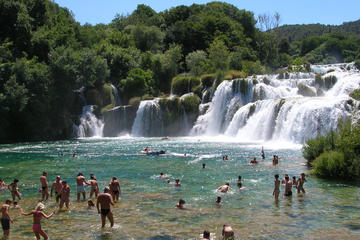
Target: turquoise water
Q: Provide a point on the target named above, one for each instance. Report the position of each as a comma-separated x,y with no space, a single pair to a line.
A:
328,210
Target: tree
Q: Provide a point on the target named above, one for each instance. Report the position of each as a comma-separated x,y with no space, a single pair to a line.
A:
218,55
197,62
137,83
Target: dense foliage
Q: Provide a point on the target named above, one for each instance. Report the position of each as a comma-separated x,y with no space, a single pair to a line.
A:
335,155
46,57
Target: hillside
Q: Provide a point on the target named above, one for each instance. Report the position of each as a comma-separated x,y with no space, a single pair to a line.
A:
300,32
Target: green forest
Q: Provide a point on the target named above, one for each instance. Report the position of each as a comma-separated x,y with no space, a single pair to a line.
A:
46,57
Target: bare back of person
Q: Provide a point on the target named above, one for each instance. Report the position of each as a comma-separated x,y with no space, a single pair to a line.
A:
105,200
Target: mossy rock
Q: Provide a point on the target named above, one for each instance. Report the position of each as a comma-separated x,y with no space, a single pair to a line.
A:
319,92
240,86
135,102
330,81
191,104
182,84
355,94
107,95
251,110
207,80
305,90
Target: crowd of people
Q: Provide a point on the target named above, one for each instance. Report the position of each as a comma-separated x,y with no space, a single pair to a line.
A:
62,197
111,194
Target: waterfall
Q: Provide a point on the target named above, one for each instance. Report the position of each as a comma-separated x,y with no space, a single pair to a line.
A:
148,120
293,108
116,95
89,126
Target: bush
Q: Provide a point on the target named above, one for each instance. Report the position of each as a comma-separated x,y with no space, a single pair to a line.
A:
330,165
182,84
251,68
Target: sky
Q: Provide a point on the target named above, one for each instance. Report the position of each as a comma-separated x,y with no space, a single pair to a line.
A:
333,12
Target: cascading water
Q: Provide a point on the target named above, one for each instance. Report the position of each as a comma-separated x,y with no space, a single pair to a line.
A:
90,125
148,120
116,95
293,108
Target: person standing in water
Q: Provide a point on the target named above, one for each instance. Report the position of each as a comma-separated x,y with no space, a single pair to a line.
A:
115,189
276,191
5,218
80,183
224,188
104,200
57,187
38,214
94,186
2,184
262,153
301,182
65,195
288,187
13,188
44,187
239,183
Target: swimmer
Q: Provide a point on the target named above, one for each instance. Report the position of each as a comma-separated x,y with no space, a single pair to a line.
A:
275,160
218,201
147,149
227,232
115,189
57,187
206,235
168,181
74,155
104,200
90,204
288,187
16,205
80,186
180,204
301,182
224,188
44,187
177,183
64,195
5,218
94,186
276,191
162,175
254,161
239,183
38,214
203,165
13,188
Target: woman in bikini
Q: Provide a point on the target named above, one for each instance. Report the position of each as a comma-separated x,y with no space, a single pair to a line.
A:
13,188
94,186
38,214
65,195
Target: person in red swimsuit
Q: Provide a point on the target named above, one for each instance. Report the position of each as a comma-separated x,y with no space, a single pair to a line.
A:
38,214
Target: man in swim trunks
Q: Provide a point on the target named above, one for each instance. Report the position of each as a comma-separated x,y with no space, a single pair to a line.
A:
5,218
115,189
276,191
288,187
13,188
57,186
80,186
301,182
44,187
225,188
104,200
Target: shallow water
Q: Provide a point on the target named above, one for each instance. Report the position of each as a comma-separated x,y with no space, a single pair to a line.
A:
328,210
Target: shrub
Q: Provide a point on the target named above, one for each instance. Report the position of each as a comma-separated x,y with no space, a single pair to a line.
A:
251,67
330,165
147,97
182,84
